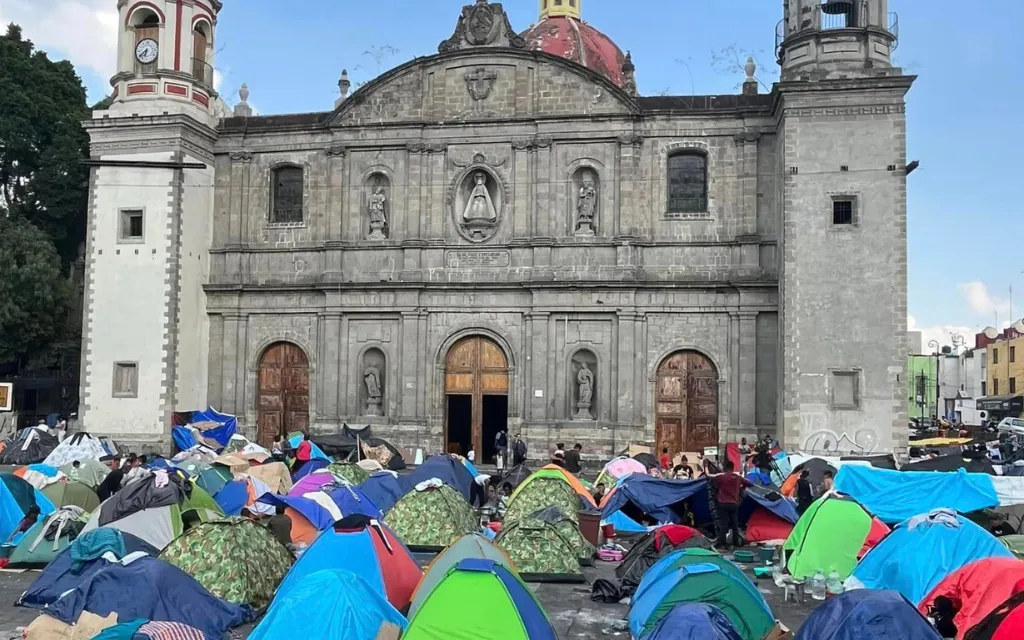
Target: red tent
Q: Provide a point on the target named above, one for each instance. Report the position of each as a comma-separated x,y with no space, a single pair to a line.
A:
878,531
1005,623
764,525
978,589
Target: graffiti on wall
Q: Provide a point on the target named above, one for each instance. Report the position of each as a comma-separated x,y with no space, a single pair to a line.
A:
825,440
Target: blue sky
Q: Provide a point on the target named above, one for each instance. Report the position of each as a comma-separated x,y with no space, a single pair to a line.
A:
963,213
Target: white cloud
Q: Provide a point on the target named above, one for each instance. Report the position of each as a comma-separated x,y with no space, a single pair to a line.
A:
981,302
941,334
82,31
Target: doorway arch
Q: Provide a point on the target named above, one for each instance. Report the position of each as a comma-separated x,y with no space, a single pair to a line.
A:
476,385
282,392
686,403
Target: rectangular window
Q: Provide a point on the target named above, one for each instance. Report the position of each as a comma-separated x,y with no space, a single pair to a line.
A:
845,389
995,387
842,211
1013,385
131,228
126,380
687,182
983,385
995,356
286,195
1013,354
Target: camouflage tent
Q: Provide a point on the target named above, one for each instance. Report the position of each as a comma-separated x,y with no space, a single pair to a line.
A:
570,530
432,519
235,559
540,552
351,472
542,493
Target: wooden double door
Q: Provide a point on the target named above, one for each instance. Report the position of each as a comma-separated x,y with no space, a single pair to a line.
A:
686,403
476,396
283,392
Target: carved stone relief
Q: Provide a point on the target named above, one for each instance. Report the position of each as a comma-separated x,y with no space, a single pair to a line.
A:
587,194
477,198
378,192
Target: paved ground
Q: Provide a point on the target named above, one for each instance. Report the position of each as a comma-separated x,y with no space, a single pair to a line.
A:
572,612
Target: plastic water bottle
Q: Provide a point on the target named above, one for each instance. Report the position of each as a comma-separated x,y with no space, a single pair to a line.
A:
818,586
777,576
835,584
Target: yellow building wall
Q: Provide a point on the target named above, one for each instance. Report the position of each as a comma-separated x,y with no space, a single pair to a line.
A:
1004,368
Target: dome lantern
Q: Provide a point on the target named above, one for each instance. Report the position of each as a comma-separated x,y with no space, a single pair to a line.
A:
563,8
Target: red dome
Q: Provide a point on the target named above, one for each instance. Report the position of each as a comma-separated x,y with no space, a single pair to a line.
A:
579,42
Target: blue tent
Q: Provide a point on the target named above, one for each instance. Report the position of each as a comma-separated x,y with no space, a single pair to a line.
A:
330,603
16,497
661,499
623,524
318,516
351,500
447,469
692,621
383,489
150,589
233,497
314,464
865,614
919,553
781,507
894,496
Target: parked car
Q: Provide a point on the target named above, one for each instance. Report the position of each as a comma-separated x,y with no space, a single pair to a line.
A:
1011,425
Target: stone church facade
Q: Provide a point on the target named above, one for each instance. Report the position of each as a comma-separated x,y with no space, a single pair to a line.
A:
505,233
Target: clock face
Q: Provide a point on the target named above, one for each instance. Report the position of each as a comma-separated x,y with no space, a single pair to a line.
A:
146,50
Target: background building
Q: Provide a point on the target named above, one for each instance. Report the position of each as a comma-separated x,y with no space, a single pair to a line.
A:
505,233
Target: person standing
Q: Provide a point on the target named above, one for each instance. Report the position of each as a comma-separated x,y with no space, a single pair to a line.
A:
572,459
827,482
501,445
666,460
518,450
744,456
728,490
804,496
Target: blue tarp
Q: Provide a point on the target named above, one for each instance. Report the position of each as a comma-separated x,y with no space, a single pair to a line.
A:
782,507
183,438
692,621
318,516
383,489
914,558
624,524
222,434
895,496
151,589
866,614
447,469
330,603
233,497
314,464
660,499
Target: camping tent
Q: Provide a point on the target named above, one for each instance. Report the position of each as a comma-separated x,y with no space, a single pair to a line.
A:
89,472
448,470
816,468
570,530
79,494
922,551
516,475
472,545
331,603
656,545
540,552
692,621
311,483
623,525
480,599
558,473
146,588
367,548
346,446
432,518
1005,622
619,468
539,493
41,544
978,587
699,575
832,534
16,498
274,474
346,470
78,446
28,446
664,500
766,515
864,614
383,490
235,559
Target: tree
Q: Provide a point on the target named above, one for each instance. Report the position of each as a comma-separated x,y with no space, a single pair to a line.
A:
42,143
34,294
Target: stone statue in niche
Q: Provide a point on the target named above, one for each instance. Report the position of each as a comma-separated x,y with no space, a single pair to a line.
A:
371,376
585,380
378,214
586,206
480,215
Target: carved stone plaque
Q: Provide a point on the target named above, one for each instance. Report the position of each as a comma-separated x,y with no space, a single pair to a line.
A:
476,259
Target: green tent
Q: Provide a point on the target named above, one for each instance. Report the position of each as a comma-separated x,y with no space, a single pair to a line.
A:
699,575
235,559
79,494
473,545
829,535
35,551
540,552
539,493
89,472
432,519
351,472
1015,543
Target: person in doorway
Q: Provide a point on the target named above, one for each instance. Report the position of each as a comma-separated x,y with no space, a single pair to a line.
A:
29,521
728,491
598,493
1000,527
572,459
518,451
501,446
804,496
827,482
666,460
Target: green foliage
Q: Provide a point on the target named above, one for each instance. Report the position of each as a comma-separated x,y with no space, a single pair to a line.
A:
34,294
42,143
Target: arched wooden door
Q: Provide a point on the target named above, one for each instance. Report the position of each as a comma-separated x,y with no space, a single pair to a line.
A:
283,394
476,396
686,403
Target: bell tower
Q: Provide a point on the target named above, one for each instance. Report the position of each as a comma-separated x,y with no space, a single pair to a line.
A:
836,38
560,8
165,51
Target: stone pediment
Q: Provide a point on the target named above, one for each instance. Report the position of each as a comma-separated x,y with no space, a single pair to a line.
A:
482,25
483,83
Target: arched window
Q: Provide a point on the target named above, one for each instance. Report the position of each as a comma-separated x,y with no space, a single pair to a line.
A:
687,182
147,27
202,70
286,194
